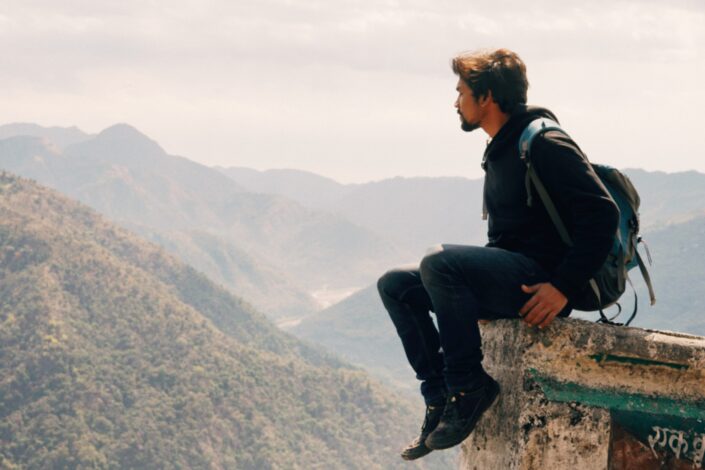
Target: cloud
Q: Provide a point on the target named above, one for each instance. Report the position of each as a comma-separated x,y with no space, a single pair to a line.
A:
407,36
269,77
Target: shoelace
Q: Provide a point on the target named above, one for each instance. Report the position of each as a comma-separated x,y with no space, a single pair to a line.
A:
451,409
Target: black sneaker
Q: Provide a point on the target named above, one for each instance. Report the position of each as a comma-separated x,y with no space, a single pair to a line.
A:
462,411
418,448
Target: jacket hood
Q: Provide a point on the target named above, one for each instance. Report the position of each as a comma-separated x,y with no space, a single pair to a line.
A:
512,129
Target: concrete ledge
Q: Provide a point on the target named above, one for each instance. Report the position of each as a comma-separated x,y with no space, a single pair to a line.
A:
584,395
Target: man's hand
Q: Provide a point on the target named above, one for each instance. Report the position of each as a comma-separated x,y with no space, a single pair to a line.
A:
544,305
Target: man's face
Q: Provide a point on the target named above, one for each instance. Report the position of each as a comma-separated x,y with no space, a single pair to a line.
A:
469,109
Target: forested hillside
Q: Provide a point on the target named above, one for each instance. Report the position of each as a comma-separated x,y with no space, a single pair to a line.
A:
115,355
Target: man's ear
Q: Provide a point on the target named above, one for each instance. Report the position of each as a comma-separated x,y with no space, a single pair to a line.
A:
487,99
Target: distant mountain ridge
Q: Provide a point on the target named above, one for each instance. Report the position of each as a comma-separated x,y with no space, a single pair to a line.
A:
304,187
115,355
129,177
59,136
420,212
340,237
417,212
668,197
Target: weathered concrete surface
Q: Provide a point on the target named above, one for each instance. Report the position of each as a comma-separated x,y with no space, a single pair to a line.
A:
581,395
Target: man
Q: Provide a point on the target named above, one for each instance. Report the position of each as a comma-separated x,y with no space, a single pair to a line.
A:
525,271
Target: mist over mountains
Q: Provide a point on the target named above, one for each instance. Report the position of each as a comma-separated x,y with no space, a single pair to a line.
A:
207,219
82,299
289,241
416,212
417,202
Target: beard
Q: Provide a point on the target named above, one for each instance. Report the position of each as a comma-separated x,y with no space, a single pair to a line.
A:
468,126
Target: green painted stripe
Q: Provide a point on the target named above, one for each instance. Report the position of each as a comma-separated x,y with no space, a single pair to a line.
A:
614,400
636,360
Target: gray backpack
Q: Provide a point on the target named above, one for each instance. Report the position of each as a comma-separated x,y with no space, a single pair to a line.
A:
609,282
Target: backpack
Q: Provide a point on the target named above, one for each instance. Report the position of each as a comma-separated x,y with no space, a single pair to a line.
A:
609,282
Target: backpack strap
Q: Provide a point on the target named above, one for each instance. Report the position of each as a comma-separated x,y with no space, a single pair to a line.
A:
603,317
533,130
647,277
536,128
547,202
636,302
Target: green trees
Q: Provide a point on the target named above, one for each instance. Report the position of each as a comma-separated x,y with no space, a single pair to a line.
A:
114,355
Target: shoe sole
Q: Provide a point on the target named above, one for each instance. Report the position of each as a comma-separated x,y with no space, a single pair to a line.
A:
413,456
471,425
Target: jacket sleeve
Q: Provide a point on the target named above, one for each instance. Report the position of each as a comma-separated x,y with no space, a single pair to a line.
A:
584,204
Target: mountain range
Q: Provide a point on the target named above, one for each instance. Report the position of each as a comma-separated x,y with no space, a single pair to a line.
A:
415,212
289,241
270,249
234,230
421,212
116,355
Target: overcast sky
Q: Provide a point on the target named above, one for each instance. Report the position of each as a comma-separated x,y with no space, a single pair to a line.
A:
355,90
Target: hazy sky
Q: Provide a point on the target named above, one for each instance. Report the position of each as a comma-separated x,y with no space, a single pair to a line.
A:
355,90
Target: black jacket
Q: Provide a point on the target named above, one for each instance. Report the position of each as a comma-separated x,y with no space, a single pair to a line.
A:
585,206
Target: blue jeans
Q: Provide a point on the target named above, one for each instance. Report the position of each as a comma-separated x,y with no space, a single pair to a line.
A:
460,284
